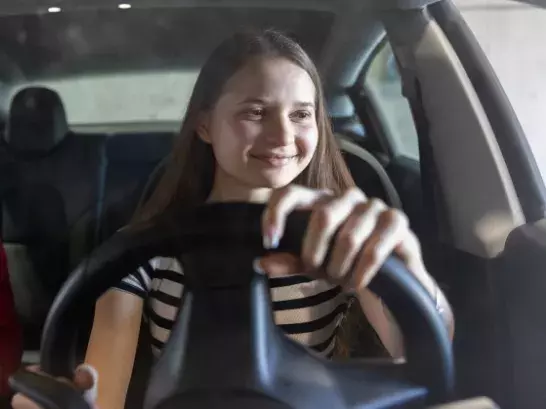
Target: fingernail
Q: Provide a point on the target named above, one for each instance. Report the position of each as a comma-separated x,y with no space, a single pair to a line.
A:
271,239
266,242
257,266
274,241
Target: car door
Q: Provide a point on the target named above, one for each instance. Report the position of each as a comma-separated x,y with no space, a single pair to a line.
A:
474,189
517,277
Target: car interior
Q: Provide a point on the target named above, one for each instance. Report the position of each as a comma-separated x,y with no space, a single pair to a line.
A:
90,109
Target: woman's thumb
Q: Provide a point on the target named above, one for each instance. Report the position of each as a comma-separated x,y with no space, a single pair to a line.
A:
86,378
278,265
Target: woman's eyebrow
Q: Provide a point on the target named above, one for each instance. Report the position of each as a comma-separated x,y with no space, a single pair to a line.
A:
253,101
261,101
305,104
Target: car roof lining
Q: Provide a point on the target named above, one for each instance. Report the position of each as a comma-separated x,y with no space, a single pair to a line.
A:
96,42
33,6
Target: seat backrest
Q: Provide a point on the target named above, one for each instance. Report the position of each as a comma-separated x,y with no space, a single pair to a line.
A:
52,185
131,160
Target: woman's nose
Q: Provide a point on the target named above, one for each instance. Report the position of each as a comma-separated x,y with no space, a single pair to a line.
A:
280,130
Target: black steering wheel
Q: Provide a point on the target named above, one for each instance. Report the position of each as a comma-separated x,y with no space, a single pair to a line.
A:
225,350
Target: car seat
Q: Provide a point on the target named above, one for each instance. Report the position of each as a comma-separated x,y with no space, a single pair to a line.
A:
50,183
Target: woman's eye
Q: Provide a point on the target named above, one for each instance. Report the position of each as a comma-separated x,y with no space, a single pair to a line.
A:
302,115
255,113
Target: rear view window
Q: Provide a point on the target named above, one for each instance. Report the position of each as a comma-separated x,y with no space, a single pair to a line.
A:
121,66
137,97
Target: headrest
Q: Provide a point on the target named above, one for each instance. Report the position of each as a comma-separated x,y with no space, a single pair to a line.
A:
37,121
339,104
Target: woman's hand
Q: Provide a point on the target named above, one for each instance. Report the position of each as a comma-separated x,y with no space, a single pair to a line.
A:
85,380
363,233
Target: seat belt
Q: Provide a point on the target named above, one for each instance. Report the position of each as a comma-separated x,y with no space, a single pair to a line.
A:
429,185
103,171
435,223
80,242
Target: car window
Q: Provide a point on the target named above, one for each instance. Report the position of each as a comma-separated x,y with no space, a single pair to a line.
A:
114,98
512,36
383,83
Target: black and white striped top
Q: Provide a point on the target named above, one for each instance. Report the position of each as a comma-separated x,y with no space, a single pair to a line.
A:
309,311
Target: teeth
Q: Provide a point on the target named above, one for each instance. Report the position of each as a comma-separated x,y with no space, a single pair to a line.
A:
276,158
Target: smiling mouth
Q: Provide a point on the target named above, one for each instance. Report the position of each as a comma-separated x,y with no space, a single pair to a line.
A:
275,160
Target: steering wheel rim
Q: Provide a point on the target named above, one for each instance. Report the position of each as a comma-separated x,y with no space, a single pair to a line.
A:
230,227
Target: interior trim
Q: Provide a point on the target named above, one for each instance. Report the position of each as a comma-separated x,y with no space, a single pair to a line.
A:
31,299
33,6
509,133
482,203
474,403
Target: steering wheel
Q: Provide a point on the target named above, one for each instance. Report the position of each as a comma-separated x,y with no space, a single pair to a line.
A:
225,350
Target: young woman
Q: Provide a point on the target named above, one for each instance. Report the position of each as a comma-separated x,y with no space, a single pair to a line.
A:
256,130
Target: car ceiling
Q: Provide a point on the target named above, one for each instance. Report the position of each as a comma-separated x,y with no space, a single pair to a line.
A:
97,41
539,3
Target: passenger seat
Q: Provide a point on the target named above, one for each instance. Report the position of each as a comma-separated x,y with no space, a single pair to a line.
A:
131,159
50,185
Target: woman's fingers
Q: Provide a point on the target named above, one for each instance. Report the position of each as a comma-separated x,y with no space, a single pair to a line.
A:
278,265
409,251
364,234
325,220
391,230
20,401
328,214
351,237
281,204
85,380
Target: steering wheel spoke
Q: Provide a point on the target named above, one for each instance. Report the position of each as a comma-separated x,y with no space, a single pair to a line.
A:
47,392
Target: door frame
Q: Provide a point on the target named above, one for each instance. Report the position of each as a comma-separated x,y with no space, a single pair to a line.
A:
509,133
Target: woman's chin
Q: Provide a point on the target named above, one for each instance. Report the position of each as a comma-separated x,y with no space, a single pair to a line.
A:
275,181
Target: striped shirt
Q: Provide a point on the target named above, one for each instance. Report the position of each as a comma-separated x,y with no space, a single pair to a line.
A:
308,311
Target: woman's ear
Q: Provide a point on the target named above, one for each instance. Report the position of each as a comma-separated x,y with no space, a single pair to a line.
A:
202,128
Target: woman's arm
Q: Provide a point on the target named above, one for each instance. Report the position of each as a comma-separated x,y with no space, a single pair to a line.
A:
384,323
112,345
361,234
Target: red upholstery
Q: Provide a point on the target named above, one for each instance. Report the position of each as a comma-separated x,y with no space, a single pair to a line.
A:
10,331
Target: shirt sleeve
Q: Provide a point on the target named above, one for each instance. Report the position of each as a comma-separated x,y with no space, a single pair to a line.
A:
139,282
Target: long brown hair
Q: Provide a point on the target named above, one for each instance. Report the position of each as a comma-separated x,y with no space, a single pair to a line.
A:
189,173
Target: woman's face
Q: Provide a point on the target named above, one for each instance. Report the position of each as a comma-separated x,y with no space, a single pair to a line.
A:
263,129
